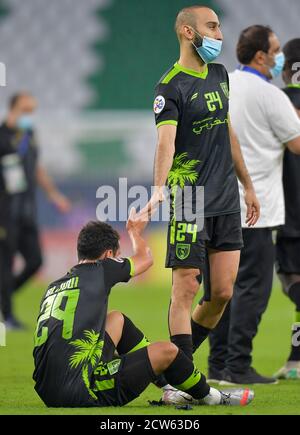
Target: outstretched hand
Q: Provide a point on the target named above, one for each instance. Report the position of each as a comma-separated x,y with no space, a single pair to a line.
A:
137,222
152,205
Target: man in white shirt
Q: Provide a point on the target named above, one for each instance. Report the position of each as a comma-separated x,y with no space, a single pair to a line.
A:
266,123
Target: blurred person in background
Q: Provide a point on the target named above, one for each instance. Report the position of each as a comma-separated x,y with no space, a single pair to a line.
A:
24,173
288,236
266,124
10,183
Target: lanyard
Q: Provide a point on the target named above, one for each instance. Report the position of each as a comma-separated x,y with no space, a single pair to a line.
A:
251,70
24,144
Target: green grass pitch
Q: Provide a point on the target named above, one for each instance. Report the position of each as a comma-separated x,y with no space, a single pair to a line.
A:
147,307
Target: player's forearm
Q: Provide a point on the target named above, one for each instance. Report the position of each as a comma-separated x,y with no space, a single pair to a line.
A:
142,257
242,171
239,163
164,154
45,182
163,163
139,245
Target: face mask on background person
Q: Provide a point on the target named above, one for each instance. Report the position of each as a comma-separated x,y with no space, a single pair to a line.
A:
25,122
207,48
279,64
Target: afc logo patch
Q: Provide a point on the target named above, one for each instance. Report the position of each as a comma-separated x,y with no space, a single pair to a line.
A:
159,104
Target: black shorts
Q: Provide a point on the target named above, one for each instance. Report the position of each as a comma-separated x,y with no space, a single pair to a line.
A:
119,380
288,255
187,246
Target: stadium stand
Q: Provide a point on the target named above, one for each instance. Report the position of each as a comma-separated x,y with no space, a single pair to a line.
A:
86,62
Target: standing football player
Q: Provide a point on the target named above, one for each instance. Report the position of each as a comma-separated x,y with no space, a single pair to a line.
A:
197,147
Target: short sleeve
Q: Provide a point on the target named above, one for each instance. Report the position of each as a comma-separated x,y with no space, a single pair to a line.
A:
166,105
228,82
282,116
117,270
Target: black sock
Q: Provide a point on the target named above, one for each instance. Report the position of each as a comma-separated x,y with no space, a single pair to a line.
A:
184,342
182,374
160,381
294,295
132,338
199,334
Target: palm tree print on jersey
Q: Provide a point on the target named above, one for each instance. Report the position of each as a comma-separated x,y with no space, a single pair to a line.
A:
88,353
182,171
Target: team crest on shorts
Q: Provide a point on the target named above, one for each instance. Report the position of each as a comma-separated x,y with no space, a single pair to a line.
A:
183,251
159,104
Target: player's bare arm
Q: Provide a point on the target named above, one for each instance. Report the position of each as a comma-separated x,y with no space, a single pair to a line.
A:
294,145
142,258
163,160
253,206
46,183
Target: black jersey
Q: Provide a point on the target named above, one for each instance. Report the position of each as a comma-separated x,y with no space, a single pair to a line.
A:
198,104
70,331
24,144
6,147
291,179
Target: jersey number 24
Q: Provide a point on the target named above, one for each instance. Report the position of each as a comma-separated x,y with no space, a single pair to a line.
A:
52,308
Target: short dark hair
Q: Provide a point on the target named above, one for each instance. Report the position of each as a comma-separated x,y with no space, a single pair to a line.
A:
14,99
95,238
188,16
292,53
252,40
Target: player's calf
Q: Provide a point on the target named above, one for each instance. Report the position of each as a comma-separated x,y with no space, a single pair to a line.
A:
185,288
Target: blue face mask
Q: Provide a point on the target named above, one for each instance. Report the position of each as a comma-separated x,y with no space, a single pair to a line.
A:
279,64
209,49
25,122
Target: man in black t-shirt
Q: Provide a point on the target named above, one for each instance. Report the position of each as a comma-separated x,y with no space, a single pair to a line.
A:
85,357
20,173
288,237
198,149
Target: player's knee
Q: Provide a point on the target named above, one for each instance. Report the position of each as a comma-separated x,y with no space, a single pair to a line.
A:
116,318
186,288
168,353
223,296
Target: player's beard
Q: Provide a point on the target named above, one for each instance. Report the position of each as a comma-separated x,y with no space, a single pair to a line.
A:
197,41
